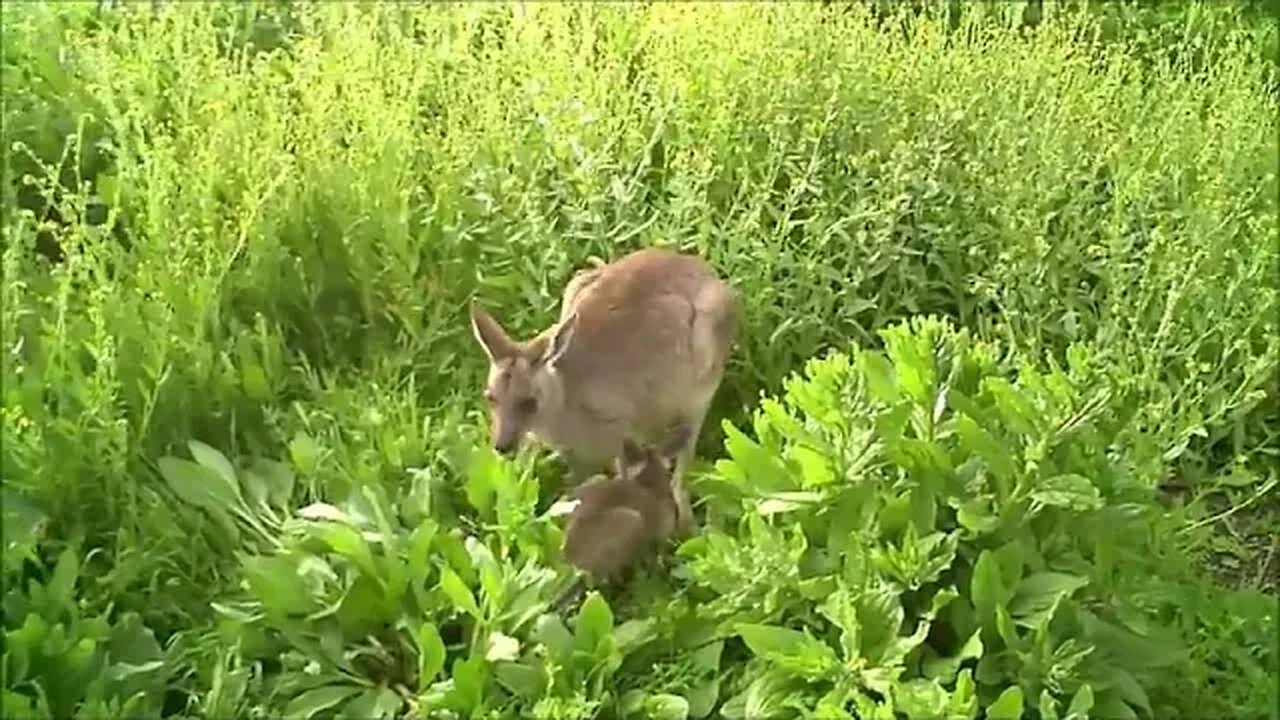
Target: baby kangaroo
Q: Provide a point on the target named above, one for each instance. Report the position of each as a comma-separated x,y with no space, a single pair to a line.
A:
640,348
621,518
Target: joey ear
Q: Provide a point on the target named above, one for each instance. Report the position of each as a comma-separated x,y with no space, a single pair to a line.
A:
497,345
561,340
631,455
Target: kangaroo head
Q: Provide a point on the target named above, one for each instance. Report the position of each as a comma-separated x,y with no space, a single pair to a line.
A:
524,387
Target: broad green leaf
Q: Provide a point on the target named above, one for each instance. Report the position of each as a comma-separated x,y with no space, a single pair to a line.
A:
373,704
198,485
214,460
431,653
945,668
277,478
975,516
469,678
305,453
1072,492
1005,627
419,560
913,362
458,592
792,650
703,698
346,541
275,582
522,680
878,374
315,700
761,468
1110,706
551,632
762,699
901,646
490,572
1008,706
964,699
775,503
484,472
987,586
666,707
133,642
921,699
634,633
61,590
815,468
1017,413
1081,703
454,550
880,617
1039,593
842,611
976,439
594,622
707,657
1129,689
1048,706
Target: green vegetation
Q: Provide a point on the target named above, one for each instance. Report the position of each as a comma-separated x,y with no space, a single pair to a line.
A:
1001,437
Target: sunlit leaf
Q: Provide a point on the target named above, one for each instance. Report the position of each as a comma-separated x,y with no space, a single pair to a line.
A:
594,622
431,653
1008,706
458,592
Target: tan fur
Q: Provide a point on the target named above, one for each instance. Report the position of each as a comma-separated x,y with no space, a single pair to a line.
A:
620,518
640,347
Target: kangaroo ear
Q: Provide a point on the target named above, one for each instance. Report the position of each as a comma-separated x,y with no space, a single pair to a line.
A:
497,345
561,340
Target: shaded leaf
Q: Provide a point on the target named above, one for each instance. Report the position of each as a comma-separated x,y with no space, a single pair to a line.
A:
315,700
1039,593
198,485
522,680
276,477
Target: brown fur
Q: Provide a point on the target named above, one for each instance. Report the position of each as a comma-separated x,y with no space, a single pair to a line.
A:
621,518
640,347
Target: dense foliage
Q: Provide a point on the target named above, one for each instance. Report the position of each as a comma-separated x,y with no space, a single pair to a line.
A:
999,439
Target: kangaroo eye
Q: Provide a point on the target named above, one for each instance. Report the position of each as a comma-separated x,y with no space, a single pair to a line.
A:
528,405
489,398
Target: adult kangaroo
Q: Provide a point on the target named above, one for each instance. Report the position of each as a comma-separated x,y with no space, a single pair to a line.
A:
638,352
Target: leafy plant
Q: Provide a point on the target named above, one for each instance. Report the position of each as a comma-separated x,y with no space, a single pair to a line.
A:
962,544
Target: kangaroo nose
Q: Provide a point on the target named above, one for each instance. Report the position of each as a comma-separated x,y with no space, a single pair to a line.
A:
505,446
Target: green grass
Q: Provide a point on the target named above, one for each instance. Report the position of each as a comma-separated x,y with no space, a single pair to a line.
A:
257,227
